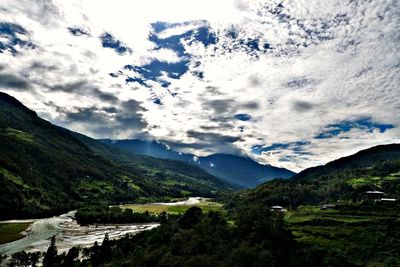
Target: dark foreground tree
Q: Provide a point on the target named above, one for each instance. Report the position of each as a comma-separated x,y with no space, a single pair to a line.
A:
24,259
105,249
71,256
50,257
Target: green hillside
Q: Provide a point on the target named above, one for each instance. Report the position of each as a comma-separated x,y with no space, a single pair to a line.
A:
45,169
345,179
355,229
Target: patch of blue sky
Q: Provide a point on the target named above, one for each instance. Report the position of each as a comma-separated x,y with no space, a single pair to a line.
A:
157,70
366,124
296,147
251,45
109,41
9,33
242,117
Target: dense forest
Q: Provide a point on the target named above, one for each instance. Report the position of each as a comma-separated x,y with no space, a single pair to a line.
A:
256,237
249,235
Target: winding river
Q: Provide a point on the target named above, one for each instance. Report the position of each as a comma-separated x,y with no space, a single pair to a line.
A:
68,234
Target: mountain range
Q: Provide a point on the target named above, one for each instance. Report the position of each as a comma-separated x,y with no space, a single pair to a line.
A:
46,169
236,170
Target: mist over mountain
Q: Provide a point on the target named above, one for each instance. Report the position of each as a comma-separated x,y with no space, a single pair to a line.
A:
237,170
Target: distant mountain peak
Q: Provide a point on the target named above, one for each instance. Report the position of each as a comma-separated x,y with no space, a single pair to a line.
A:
235,169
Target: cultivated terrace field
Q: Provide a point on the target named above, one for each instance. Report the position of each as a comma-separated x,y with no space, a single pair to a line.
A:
365,235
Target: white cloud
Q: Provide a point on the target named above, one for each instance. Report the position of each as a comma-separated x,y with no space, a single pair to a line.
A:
328,62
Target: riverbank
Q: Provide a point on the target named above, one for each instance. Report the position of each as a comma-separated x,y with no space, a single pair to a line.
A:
11,231
34,235
68,234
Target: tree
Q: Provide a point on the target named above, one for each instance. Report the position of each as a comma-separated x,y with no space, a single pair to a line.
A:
34,258
71,256
105,249
50,258
20,259
95,254
191,217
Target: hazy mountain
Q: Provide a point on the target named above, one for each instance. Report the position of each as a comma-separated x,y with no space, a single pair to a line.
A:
237,170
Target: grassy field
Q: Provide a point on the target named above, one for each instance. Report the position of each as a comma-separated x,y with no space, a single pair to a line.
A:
11,231
368,235
372,180
205,205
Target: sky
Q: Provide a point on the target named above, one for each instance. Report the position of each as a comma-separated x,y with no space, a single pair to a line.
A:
292,83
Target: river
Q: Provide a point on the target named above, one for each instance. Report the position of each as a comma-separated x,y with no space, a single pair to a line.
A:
68,234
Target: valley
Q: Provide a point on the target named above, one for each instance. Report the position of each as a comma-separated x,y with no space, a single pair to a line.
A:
170,133
34,235
95,204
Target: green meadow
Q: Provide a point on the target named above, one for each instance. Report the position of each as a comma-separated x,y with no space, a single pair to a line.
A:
11,231
205,205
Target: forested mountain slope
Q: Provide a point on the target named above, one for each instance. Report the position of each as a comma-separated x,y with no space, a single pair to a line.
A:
45,169
347,178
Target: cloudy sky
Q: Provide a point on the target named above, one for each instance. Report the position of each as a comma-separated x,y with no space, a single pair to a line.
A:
290,83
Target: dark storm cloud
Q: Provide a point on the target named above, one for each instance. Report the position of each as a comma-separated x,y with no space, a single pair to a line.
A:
40,66
219,106
91,114
83,87
302,106
13,82
220,126
212,137
132,105
223,106
70,87
221,119
213,90
250,105
255,81
130,115
108,121
107,97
